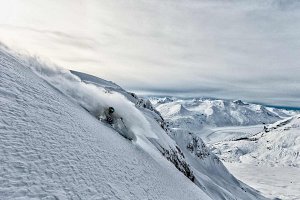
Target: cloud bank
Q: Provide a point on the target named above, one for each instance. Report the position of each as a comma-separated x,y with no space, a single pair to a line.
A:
228,49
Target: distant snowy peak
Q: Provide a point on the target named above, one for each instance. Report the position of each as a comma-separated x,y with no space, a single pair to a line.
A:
217,112
161,100
176,109
240,102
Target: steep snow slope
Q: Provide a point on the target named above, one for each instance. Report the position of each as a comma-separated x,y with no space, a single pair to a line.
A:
52,148
52,145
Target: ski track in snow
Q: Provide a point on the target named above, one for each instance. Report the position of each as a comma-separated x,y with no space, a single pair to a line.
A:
51,148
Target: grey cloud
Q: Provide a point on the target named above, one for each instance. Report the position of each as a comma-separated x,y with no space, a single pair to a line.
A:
44,31
227,49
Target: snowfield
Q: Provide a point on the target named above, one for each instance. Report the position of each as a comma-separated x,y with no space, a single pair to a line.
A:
52,146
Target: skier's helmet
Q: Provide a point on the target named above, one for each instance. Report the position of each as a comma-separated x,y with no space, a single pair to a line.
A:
111,110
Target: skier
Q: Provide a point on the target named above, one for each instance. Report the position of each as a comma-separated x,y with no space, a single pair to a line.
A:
109,115
266,129
117,123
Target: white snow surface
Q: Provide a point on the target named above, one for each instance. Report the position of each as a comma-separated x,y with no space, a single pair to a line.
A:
53,147
94,99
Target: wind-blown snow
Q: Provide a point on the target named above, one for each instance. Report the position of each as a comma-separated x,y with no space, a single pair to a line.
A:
94,99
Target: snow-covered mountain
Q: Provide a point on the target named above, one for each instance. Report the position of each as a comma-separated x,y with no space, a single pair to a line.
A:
277,145
195,114
252,140
54,147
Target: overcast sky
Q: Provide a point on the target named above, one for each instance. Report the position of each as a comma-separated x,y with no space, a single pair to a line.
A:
234,49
